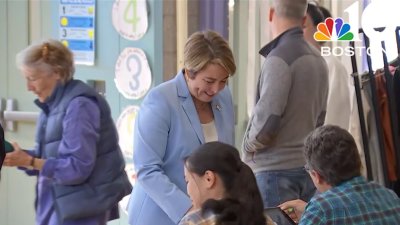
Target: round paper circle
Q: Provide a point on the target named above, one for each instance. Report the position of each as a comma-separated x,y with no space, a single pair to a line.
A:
132,73
129,18
125,127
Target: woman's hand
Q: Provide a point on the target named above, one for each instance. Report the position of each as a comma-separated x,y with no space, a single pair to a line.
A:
294,208
18,157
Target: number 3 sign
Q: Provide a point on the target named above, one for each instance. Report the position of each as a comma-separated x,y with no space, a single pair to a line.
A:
129,18
132,73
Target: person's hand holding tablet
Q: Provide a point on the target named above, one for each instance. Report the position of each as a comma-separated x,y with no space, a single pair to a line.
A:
294,209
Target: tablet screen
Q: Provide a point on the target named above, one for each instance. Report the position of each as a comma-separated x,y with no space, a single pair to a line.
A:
278,216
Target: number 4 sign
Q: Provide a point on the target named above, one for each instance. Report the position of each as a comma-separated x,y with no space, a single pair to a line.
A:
129,18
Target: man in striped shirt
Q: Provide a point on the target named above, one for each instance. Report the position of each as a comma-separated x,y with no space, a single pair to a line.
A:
334,164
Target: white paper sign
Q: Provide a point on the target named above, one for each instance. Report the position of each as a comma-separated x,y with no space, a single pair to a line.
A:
77,29
132,73
126,129
129,18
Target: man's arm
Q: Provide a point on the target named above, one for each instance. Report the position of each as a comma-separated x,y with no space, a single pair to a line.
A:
294,208
275,83
314,214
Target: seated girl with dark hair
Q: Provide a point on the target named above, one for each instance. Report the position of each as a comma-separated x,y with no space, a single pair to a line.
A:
222,188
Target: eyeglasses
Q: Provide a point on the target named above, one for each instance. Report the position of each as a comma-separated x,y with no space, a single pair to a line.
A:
307,168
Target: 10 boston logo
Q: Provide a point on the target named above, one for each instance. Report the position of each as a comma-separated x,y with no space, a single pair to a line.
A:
336,30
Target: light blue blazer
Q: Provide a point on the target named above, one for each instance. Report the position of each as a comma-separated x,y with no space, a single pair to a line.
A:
167,130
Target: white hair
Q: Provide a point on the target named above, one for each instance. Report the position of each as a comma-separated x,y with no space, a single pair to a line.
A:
291,9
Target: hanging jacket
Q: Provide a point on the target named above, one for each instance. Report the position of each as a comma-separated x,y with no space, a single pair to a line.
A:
383,104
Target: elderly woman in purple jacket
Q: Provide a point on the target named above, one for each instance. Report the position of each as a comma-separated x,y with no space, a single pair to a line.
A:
77,159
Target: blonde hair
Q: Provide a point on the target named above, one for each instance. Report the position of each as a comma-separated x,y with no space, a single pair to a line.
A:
51,56
207,47
291,9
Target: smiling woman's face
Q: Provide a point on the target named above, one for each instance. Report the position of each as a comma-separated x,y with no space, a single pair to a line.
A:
207,82
40,82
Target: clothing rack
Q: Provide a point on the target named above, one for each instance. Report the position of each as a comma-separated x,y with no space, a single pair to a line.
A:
361,114
392,106
375,106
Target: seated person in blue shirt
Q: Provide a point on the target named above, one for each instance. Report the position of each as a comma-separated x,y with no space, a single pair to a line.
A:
222,188
334,164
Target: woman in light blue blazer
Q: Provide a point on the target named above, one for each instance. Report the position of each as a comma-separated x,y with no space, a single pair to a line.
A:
175,118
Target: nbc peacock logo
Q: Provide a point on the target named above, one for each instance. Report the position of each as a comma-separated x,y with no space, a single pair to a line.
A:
333,30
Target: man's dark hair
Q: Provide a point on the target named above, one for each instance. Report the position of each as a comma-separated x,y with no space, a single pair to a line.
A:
315,14
332,152
325,12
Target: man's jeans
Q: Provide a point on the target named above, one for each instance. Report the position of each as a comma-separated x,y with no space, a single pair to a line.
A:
279,186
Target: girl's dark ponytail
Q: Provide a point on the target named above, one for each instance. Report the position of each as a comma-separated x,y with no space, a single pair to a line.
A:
242,204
